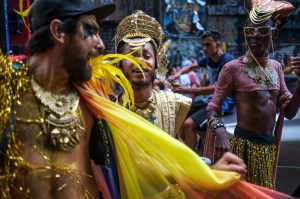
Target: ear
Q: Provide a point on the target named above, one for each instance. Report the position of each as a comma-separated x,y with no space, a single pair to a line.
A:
56,31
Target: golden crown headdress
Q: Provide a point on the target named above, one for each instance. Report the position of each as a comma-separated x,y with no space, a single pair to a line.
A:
141,25
261,10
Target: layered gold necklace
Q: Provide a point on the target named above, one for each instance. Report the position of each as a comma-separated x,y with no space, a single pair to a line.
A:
62,117
146,109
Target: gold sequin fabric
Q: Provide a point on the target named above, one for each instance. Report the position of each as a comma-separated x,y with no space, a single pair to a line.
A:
13,82
30,140
27,155
259,158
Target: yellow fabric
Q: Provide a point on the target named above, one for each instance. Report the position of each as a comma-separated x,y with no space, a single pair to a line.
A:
147,166
149,160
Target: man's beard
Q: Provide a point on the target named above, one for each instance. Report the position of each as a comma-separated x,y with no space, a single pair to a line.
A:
142,83
76,63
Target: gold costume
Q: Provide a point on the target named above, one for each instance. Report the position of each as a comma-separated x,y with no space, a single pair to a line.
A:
170,111
165,109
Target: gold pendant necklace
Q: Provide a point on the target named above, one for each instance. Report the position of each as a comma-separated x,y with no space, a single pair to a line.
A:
62,117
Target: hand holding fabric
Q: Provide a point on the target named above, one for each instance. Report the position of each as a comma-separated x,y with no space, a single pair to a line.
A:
231,162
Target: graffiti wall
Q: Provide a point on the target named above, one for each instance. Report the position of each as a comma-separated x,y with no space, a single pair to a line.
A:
228,17
182,49
181,17
288,42
19,34
126,7
220,17
184,21
123,9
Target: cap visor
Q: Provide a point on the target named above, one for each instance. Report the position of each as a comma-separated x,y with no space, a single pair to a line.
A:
102,11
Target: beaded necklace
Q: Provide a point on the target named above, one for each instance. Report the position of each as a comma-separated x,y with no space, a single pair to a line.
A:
148,111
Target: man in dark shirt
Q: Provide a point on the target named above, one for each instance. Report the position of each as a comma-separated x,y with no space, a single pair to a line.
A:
214,61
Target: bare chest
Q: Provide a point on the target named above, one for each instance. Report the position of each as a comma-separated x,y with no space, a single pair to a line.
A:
54,156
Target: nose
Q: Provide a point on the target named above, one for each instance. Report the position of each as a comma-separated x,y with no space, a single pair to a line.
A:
255,34
99,45
205,46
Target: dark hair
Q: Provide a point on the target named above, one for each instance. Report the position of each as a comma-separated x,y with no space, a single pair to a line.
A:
212,33
40,40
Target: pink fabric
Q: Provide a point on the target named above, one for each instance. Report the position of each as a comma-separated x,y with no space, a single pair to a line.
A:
100,180
233,78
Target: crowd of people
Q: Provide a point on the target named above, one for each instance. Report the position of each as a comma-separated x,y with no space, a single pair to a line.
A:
66,133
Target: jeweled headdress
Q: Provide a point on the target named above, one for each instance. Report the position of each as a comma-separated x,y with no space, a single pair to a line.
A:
261,10
143,28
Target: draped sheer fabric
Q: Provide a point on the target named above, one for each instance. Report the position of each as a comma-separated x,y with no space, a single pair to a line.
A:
150,161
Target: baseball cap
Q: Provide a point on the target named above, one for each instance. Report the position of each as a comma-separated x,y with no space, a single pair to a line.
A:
42,12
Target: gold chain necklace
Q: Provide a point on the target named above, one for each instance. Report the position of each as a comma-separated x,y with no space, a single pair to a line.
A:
148,111
143,104
62,117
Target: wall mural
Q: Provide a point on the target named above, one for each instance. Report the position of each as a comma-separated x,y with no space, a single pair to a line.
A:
228,18
126,7
182,17
184,21
184,49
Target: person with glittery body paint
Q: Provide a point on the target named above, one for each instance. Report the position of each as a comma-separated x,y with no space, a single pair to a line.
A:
45,128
